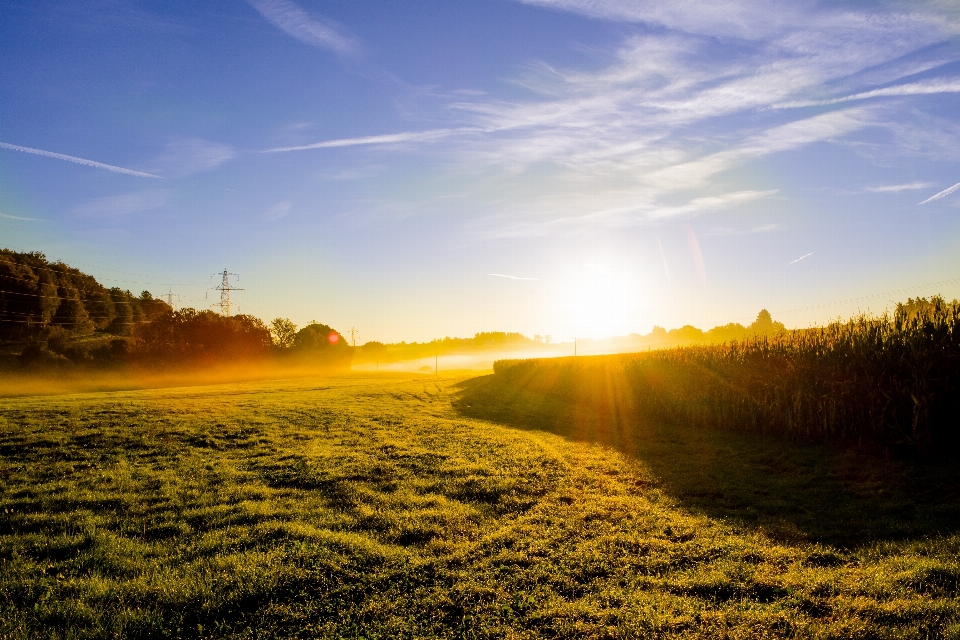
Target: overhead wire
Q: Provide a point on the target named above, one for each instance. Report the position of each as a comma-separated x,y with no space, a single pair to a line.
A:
871,296
99,268
58,297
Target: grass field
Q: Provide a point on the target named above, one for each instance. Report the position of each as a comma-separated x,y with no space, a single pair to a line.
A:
392,507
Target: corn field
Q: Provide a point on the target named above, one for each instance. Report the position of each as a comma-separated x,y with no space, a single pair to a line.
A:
893,380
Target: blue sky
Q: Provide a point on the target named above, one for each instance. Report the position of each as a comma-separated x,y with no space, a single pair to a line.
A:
559,167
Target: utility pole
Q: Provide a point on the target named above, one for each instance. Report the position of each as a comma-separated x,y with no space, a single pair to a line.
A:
170,295
225,288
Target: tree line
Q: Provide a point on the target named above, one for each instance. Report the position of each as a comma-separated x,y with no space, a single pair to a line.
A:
54,314
51,313
37,295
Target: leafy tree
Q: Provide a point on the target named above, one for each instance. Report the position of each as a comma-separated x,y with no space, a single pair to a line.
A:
686,334
123,305
727,333
320,344
196,337
283,331
317,337
373,351
765,325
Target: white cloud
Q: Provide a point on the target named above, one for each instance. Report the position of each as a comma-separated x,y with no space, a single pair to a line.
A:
500,275
921,135
571,213
674,110
298,23
189,156
897,188
728,231
910,89
10,217
279,210
742,19
123,204
711,203
76,160
793,135
389,138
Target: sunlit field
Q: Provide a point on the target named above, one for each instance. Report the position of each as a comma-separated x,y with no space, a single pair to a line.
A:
420,506
486,319
892,381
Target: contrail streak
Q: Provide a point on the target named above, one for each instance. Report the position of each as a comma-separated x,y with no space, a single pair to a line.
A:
912,89
83,161
800,258
389,138
10,217
942,194
500,275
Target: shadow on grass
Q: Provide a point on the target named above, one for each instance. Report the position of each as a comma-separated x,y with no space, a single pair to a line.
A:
794,492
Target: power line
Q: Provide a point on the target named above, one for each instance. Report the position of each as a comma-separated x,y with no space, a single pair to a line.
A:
99,250
92,266
67,324
73,271
871,296
68,298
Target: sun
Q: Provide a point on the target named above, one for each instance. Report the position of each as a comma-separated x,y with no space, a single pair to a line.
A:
604,301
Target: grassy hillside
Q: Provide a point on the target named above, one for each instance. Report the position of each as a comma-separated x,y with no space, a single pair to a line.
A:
414,507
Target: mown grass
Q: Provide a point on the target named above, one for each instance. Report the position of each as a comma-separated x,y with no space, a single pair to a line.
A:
388,507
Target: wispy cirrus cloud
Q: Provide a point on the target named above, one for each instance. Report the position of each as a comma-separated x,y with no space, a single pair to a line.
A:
618,144
308,29
685,100
909,89
190,156
897,188
500,275
728,231
10,217
124,204
709,203
732,18
76,160
786,137
567,214
389,138
279,210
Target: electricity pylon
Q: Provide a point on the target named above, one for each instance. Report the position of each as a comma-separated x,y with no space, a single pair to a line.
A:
353,336
225,290
170,295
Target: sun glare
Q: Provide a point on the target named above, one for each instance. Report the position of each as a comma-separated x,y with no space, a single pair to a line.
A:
604,300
